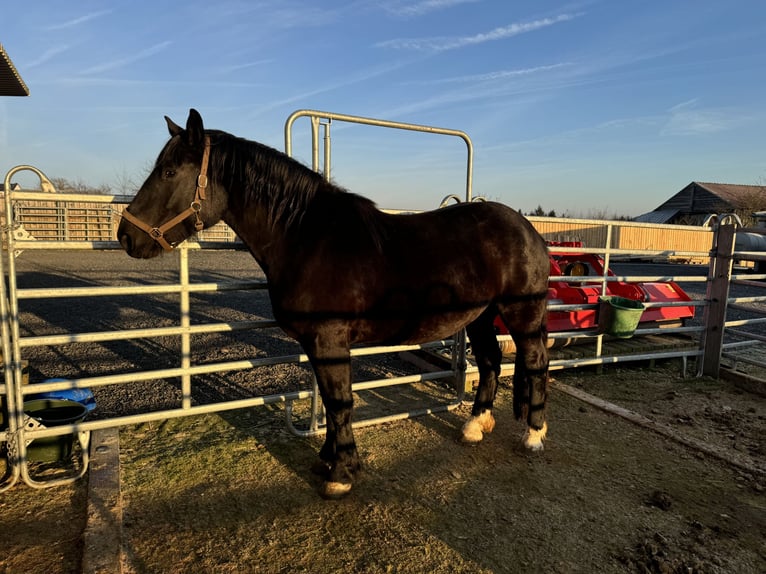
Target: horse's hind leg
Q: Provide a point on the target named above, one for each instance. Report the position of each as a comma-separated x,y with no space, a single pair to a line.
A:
530,378
487,354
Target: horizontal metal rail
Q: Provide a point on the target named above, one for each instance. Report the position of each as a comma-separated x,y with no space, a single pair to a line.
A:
208,368
741,322
632,252
227,405
612,359
739,307
43,245
741,344
647,304
745,359
107,291
147,333
747,335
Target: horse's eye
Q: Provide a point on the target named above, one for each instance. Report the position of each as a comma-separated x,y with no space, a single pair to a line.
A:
168,173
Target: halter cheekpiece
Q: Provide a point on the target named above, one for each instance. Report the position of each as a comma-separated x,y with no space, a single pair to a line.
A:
158,233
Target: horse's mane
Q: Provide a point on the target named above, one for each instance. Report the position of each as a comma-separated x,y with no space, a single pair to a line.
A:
261,175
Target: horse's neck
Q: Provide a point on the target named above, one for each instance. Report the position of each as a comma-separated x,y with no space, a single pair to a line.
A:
252,227
257,217
265,235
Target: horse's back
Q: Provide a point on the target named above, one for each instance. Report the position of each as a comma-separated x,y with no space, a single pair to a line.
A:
467,222
486,239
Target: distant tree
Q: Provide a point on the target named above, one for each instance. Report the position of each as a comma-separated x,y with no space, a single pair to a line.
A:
601,214
125,184
750,202
65,185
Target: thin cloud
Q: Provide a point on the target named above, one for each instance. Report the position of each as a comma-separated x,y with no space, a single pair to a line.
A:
466,89
122,83
688,119
492,76
77,21
362,76
287,17
441,44
245,65
121,62
49,54
684,106
426,6
619,129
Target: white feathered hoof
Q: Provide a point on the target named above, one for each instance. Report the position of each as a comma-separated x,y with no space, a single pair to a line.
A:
533,439
334,490
475,427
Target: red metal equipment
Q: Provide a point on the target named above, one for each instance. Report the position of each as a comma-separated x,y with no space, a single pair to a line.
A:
564,292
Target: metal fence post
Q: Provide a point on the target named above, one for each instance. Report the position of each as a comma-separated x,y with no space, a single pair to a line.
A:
719,279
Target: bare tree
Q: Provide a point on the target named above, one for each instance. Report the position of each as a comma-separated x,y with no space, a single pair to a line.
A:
64,185
750,202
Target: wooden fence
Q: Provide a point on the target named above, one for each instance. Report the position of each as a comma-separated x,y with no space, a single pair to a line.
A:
673,242
56,220
83,221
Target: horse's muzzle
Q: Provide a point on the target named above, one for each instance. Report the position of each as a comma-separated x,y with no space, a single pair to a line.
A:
139,249
126,242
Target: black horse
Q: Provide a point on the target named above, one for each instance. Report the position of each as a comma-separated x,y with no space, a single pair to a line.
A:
340,272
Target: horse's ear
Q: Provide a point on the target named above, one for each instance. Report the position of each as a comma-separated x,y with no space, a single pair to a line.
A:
173,128
195,131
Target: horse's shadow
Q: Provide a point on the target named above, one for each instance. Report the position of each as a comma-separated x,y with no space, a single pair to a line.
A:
268,425
417,467
54,316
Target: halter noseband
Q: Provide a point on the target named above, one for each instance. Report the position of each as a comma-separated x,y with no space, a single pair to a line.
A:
158,233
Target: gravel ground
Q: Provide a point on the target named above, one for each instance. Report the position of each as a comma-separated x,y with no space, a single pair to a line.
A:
114,313
40,317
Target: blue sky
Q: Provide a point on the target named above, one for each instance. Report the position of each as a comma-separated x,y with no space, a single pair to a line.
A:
587,108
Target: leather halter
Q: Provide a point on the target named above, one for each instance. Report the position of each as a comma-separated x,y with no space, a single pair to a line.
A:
158,233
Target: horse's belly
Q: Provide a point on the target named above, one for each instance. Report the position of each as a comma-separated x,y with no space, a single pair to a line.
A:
413,329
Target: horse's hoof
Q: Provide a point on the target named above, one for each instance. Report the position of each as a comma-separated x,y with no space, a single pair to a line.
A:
533,439
321,468
475,427
334,490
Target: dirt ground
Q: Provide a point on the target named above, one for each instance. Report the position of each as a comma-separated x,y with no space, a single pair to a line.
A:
233,492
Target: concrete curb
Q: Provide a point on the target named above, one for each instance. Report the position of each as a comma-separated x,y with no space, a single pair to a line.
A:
102,539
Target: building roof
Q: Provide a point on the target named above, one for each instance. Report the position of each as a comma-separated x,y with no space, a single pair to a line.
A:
11,83
657,216
735,195
703,197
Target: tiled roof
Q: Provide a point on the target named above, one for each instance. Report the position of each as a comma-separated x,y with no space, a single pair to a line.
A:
11,83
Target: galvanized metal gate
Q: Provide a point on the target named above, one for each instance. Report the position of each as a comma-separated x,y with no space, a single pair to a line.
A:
20,429
740,339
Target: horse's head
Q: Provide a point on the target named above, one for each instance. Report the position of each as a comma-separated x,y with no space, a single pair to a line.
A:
173,203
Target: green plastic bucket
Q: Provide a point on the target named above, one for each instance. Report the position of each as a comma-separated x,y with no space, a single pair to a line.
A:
51,413
618,316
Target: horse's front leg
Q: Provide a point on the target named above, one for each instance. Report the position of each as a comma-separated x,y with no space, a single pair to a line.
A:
338,454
